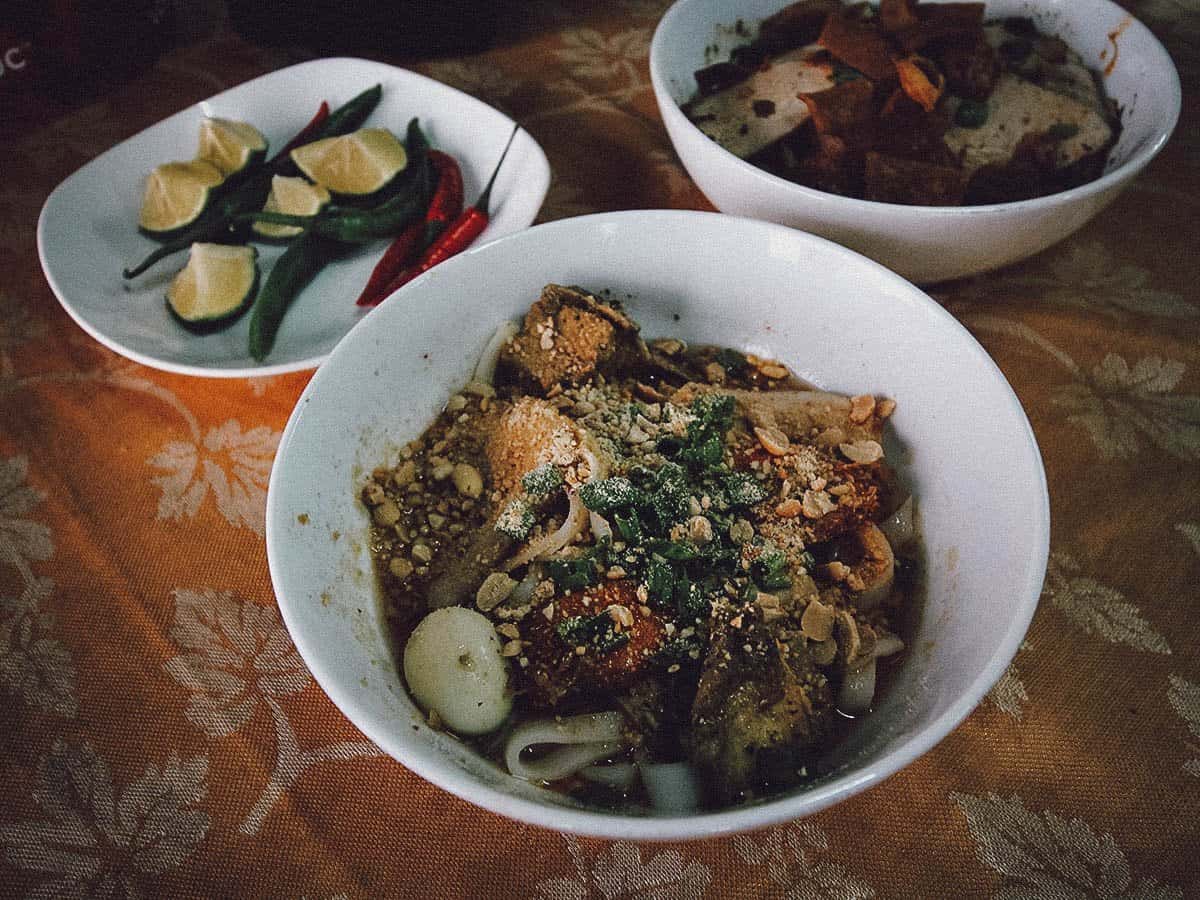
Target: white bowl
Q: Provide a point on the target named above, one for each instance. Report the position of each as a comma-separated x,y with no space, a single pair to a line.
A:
924,243
87,231
960,440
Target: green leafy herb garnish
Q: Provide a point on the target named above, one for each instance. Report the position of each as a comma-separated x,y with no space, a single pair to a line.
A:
610,494
596,631
516,520
542,481
574,572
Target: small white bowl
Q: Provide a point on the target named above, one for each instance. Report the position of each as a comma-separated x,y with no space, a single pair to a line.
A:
960,440
926,244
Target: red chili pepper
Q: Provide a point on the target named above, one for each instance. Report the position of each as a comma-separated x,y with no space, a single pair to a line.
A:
445,205
305,134
459,234
447,202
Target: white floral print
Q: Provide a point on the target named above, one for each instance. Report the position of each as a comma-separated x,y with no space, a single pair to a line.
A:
477,77
1047,856
796,860
231,463
589,54
1191,531
1097,608
237,656
237,653
1121,406
34,665
21,540
97,841
1008,693
1085,275
1184,697
620,872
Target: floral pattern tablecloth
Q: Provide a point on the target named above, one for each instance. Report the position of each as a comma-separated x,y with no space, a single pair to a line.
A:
160,736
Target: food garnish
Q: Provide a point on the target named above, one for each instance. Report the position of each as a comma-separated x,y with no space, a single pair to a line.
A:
215,287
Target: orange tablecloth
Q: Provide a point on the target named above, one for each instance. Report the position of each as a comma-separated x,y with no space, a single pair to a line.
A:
160,737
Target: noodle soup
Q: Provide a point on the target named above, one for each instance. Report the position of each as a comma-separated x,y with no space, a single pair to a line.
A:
652,576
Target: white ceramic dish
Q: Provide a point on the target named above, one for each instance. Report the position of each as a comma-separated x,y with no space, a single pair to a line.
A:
961,440
88,227
923,243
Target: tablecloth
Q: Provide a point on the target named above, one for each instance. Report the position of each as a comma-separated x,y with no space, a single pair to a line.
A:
161,737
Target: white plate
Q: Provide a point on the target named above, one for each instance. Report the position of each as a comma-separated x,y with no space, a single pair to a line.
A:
959,439
88,228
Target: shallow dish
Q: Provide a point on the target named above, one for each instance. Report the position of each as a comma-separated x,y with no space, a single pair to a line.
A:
88,227
926,244
836,318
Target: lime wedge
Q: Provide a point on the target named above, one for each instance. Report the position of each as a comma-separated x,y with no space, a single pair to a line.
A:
358,163
230,146
175,196
215,287
295,197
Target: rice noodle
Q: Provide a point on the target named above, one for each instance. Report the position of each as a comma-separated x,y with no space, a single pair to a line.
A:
618,775
673,787
550,544
899,526
485,369
888,645
858,689
600,527
578,742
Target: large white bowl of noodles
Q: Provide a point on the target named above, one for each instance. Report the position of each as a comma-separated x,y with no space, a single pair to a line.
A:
959,438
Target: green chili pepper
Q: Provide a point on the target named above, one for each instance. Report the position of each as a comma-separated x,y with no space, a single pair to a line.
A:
350,115
304,257
220,223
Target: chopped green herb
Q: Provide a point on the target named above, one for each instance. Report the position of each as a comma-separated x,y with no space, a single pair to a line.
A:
660,580
608,494
596,631
574,572
769,571
516,520
743,489
731,361
704,445
629,527
542,481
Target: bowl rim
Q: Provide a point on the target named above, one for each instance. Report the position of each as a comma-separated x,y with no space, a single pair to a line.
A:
670,109
450,777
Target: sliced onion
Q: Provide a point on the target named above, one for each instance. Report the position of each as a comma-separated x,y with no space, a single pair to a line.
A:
858,689
556,540
485,369
888,645
599,525
899,527
578,742
618,775
672,787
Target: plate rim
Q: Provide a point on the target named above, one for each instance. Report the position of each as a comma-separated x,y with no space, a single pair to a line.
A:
539,190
